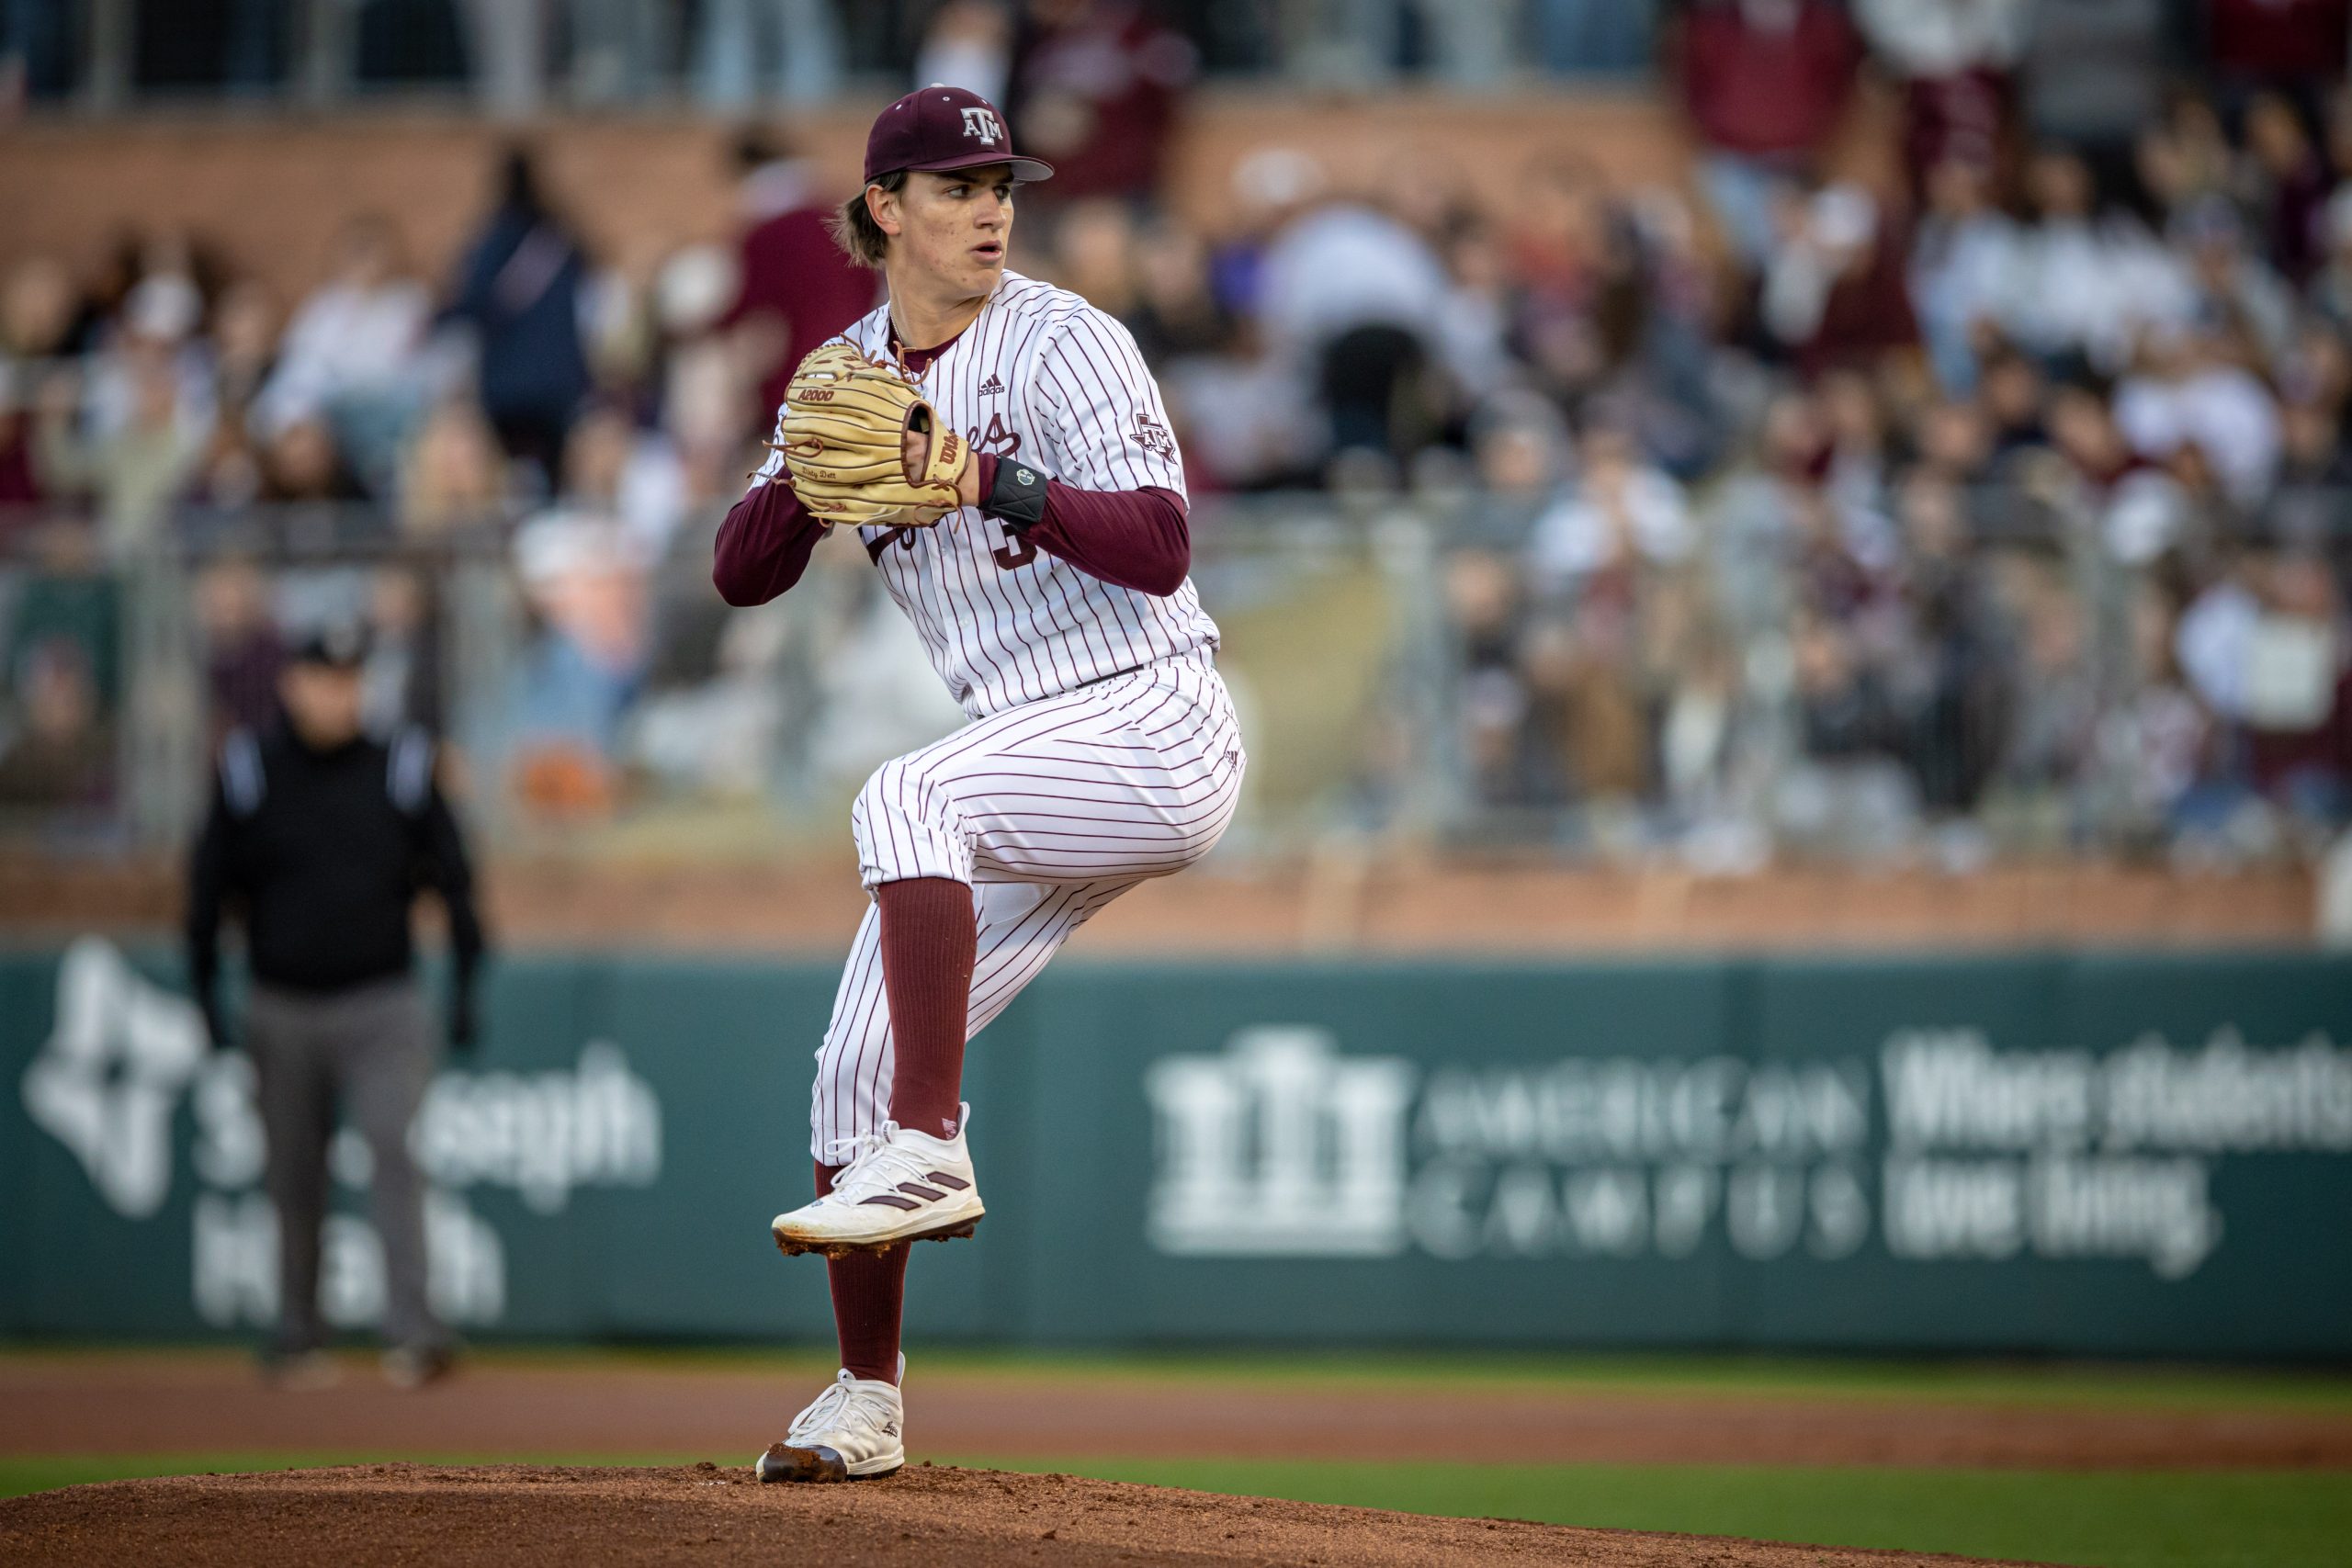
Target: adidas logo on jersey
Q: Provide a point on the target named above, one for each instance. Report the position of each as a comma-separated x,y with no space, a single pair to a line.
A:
991,387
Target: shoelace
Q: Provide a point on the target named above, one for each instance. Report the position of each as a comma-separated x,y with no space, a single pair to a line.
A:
872,1161
834,1407
850,1151
820,1413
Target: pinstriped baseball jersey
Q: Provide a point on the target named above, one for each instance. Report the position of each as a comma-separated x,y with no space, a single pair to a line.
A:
1040,377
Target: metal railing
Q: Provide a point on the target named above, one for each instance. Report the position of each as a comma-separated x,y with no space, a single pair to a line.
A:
1406,669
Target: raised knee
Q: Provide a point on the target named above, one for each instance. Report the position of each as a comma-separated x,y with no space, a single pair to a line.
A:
907,824
880,788
900,788
905,791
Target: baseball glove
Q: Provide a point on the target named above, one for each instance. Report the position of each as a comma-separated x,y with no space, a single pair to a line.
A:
843,440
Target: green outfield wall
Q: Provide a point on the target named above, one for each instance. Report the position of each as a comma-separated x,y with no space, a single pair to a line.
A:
2086,1155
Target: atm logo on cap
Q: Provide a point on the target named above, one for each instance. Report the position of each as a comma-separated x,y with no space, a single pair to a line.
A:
982,123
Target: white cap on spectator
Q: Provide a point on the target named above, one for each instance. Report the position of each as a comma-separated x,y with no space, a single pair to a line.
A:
1276,177
568,543
1843,217
165,307
694,287
552,547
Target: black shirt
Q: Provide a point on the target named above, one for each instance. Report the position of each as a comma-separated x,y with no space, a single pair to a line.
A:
323,853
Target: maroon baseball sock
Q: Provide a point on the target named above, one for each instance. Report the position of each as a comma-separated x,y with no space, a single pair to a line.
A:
930,935
869,1293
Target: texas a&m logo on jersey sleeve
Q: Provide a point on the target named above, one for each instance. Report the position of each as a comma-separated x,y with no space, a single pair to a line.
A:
1153,437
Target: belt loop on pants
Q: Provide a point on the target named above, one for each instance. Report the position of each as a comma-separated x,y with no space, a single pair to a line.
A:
1198,657
1114,675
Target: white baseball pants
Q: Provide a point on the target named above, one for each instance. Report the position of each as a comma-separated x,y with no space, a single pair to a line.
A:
1049,811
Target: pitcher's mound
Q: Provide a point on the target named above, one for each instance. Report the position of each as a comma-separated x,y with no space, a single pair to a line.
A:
976,1519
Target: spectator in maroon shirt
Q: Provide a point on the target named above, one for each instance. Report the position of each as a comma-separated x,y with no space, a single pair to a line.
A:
1867,317
19,485
2299,734
2291,184
1765,83
1835,292
1955,60
36,321
1094,86
2299,45
797,288
242,651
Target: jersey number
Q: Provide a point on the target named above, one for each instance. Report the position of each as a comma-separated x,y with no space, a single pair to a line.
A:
1015,552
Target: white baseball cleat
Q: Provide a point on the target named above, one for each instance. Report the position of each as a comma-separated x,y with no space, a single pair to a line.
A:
851,1433
899,1185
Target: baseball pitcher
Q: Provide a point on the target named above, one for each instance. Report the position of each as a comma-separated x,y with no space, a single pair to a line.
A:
996,445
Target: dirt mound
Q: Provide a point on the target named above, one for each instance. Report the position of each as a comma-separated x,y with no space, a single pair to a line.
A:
976,1519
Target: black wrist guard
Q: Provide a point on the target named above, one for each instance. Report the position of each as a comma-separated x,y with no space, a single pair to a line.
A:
1017,498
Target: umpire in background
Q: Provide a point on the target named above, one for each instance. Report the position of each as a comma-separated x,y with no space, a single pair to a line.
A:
319,839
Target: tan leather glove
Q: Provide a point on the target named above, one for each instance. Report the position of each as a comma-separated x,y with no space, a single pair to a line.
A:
844,426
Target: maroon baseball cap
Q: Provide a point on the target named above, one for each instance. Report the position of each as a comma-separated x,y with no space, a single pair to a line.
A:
936,129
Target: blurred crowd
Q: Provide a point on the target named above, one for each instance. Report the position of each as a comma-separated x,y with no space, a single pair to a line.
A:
520,56
1981,486
1955,458
329,462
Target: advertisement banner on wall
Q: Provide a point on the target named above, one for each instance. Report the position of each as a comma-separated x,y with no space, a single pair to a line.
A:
2081,1155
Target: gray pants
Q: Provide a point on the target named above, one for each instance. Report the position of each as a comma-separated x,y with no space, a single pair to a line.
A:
366,1049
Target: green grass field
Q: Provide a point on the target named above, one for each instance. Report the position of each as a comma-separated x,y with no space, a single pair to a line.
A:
2109,1519
2114,1520
2155,1386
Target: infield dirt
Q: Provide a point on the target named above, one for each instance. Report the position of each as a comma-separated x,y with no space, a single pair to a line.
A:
123,1403
974,1518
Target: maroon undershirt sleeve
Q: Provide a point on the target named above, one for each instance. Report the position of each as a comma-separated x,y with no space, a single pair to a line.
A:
1139,539
764,546
1131,539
